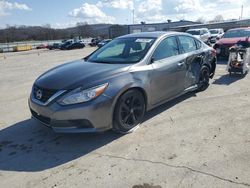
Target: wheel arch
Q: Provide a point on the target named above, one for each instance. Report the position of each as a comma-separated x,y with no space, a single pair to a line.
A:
213,67
207,65
140,89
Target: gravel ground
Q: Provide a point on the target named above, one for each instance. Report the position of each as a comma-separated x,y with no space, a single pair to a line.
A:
198,140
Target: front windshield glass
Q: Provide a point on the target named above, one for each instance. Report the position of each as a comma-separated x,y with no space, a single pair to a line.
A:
237,33
214,31
194,32
123,50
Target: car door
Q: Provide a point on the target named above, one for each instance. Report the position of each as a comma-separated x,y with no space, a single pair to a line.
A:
192,49
169,68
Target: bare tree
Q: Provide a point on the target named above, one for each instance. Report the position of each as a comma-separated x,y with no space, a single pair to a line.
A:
217,18
84,29
201,20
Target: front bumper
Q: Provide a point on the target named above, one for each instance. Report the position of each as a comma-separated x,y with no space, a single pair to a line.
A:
92,116
213,39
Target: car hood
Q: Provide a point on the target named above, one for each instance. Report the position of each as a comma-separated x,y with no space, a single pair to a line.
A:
79,73
197,36
231,41
214,35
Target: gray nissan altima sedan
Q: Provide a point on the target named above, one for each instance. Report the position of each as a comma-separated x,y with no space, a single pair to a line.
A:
113,87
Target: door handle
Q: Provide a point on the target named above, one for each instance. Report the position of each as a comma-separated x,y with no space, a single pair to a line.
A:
180,64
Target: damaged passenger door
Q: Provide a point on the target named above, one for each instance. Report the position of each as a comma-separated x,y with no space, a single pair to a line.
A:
169,70
192,48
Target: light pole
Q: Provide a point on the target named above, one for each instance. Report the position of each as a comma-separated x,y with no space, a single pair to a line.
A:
133,14
241,12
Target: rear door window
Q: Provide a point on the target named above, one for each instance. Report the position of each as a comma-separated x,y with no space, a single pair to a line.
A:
167,48
187,44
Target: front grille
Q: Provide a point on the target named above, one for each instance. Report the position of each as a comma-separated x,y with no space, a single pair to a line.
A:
45,93
41,118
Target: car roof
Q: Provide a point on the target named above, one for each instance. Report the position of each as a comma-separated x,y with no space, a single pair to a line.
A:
155,34
240,28
216,29
195,29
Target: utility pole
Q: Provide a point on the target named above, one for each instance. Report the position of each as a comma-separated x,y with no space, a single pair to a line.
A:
241,12
133,14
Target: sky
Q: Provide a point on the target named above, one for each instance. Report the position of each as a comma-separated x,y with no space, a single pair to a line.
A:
66,13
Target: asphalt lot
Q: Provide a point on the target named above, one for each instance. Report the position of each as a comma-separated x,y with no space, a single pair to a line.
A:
198,140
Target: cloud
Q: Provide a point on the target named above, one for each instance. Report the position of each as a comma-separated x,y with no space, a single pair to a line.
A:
186,6
6,6
150,6
161,10
117,4
62,25
91,14
150,11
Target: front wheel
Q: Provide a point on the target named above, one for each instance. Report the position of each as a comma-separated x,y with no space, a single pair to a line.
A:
204,78
129,111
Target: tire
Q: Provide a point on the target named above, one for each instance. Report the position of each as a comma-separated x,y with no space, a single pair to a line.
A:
204,78
129,111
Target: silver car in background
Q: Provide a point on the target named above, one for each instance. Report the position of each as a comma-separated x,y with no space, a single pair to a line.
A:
216,34
200,33
114,86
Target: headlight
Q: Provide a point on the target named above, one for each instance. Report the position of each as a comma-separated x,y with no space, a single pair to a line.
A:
79,95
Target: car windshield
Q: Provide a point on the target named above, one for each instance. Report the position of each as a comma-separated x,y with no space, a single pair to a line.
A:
122,51
194,32
237,33
214,31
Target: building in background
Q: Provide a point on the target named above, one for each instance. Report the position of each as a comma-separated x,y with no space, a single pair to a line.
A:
181,26
226,25
165,26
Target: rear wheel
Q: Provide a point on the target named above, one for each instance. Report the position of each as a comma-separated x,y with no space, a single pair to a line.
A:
204,78
129,111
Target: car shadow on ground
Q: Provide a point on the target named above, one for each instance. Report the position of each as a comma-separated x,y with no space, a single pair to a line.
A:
167,105
228,79
28,146
222,61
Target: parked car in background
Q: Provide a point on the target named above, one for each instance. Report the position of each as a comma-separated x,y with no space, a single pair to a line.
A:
54,46
65,44
41,46
230,38
216,34
202,33
113,87
103,42
94,42
75,45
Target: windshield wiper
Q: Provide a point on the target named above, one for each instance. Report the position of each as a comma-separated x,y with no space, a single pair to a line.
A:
105,62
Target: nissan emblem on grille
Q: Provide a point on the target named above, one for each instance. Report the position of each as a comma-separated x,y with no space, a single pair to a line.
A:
39,94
